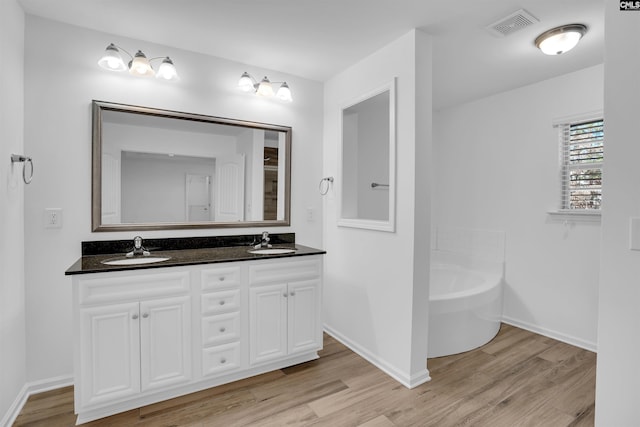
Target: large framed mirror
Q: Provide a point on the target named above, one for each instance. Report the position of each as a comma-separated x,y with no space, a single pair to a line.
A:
368,159
157,169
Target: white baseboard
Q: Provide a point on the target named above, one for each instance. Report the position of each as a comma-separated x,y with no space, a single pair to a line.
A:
27,390
568,339
407,381
10,417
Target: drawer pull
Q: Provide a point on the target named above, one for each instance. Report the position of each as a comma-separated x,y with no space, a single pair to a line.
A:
223,360
222,329
222,302
221,278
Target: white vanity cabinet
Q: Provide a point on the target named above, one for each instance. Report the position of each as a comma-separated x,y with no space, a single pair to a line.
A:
284,309
133,335
147,335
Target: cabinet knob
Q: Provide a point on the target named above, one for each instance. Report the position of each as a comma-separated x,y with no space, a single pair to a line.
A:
221,278
145,315
285,295
134,317
292,293
222,329
223,360
221,302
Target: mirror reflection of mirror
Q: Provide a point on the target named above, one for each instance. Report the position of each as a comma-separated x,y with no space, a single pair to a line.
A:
167,171
368,161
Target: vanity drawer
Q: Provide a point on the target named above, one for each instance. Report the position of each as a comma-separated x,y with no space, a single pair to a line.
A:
126,287
221,277
221,328
286,271
220,359
221,302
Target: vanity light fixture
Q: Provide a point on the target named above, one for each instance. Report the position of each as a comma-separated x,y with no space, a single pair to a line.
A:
139,65
264,88
560,39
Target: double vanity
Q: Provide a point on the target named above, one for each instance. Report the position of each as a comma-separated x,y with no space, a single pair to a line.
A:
191,314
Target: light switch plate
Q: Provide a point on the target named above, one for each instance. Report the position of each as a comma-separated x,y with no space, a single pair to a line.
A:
634,234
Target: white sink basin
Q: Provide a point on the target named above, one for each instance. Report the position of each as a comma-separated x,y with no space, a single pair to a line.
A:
271,251
135,260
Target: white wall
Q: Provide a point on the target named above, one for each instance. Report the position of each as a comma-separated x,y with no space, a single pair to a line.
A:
61,79
375,285
617,397
497,169
12,305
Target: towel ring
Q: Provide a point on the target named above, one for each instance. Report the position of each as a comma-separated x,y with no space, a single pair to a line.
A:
324,189
17,158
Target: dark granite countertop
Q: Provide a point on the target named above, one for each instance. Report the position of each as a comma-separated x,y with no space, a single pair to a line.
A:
93,263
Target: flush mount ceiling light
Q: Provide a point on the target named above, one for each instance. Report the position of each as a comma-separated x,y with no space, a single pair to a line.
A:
561,39
139,65
264,88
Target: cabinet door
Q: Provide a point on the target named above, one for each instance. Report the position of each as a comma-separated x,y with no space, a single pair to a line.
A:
109,353
165,334
305,333
268,322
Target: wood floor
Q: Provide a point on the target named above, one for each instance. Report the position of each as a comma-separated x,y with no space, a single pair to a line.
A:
518,379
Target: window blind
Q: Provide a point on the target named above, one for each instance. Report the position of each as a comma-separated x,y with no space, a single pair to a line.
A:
582,153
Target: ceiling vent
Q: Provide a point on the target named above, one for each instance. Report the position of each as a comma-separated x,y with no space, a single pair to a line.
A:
512,23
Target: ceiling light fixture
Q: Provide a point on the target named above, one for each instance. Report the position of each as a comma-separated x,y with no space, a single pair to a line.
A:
265,87
139,65
560,39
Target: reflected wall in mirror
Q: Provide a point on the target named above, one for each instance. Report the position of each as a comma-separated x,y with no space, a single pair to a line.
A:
158,169
367,158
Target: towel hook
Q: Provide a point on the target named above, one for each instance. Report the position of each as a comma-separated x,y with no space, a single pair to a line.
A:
324,189
18,158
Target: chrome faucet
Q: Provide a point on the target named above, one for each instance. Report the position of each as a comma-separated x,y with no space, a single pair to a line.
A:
264,242
138,249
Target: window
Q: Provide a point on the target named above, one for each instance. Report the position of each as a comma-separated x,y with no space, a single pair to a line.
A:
582,155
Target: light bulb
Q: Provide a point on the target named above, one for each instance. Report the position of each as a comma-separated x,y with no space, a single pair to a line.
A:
246,83
112,60
265,88
284,93
560,43
140,66
167,70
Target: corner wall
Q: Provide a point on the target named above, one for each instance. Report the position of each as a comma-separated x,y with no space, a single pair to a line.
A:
12,189
376,283
498,169
58,136
618,376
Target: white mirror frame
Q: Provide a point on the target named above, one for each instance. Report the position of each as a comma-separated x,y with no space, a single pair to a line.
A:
378,225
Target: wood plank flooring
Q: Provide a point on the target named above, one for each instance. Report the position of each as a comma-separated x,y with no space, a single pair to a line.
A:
518,379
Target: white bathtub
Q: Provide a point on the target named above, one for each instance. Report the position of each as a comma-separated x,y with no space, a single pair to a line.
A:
465,308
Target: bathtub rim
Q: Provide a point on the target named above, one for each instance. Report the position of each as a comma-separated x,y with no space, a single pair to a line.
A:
490,281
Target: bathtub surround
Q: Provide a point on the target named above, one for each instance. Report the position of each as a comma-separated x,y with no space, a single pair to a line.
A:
466,289
13,369
376,283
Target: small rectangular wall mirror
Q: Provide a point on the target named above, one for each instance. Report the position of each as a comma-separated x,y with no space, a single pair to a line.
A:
156,169
367,160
